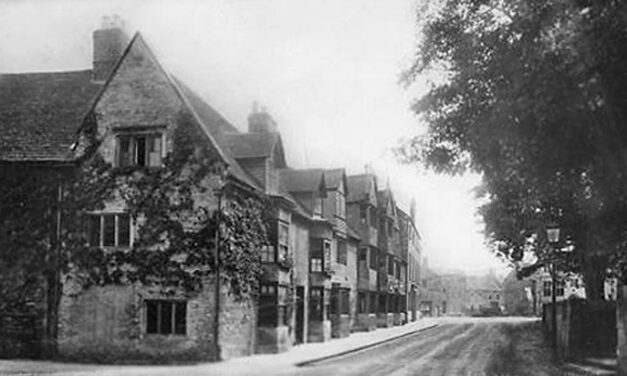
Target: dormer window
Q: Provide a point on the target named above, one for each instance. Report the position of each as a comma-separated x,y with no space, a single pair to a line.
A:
340,203
143,149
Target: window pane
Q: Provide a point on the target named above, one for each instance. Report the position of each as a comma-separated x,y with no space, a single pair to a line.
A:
124,151
152,319
154,151
94,230
140,151
166,318
181,318
124,230
109,230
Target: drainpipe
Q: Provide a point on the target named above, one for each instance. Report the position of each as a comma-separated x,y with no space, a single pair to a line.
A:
216,318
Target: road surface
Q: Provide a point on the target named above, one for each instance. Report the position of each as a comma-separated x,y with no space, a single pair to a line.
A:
455,348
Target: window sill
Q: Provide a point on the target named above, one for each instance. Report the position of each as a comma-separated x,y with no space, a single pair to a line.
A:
164,336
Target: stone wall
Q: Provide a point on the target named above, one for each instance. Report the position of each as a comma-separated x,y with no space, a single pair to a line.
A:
108,324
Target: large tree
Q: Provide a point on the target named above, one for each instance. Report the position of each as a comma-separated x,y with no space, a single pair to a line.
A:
533,95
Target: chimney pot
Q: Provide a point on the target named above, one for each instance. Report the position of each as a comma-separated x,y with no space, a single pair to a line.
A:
259,121
109,44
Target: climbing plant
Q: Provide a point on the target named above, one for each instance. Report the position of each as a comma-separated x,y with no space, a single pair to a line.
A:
178,224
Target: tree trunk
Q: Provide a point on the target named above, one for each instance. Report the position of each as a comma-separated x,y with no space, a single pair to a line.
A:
594,276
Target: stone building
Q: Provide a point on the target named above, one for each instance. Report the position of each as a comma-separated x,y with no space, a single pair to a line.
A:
411,249
325,270
361,215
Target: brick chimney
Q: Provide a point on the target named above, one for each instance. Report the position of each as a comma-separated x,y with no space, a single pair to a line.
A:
412,210
109,44
259,121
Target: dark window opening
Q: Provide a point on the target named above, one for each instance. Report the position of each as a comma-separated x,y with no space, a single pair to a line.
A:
139,150
316,304
341,252
166,317
109,230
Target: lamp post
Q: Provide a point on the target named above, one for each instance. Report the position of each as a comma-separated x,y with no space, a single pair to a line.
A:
553,236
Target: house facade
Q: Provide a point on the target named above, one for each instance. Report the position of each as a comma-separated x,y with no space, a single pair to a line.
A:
154,266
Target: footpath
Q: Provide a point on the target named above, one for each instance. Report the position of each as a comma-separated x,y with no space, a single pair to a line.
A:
256,364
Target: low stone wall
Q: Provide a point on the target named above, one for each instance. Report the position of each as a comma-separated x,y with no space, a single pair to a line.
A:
365,322
21,335
272,339
108,324
340,326
319,331
385,320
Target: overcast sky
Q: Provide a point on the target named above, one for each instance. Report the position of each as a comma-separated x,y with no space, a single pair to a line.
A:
326,70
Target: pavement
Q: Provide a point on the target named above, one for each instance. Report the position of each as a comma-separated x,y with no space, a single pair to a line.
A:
299,355
592,366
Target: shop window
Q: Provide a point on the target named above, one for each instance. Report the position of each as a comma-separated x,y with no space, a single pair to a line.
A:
139,150
166,317
390,265
344,301
373,302
316,304
268,305
362,306
109,230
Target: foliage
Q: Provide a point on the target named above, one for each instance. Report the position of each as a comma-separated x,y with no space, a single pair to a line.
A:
174,208
532,95
27,232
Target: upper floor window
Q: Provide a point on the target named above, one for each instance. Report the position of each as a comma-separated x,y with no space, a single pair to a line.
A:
559,288
340,205
166,317
109,230
317,207
139,150
373,259
546,288
363,213
363,255
341,252
283,243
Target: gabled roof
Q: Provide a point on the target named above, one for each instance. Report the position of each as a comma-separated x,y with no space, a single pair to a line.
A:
310,180
484,282
256,145
360,186
41,112
335,177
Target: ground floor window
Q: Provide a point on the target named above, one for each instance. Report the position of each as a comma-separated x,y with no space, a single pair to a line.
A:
361,303
318,303
373,302
383,303
166,317
271,306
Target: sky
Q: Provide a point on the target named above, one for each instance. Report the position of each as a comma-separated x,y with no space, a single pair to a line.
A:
327,71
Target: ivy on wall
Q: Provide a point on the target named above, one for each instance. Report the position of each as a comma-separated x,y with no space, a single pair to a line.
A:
175,209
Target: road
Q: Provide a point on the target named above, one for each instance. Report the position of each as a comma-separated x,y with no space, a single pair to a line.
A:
456,348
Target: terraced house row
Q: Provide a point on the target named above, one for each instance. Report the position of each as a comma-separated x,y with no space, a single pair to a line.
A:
341,255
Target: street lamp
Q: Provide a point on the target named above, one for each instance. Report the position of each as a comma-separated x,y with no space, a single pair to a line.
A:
553,236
